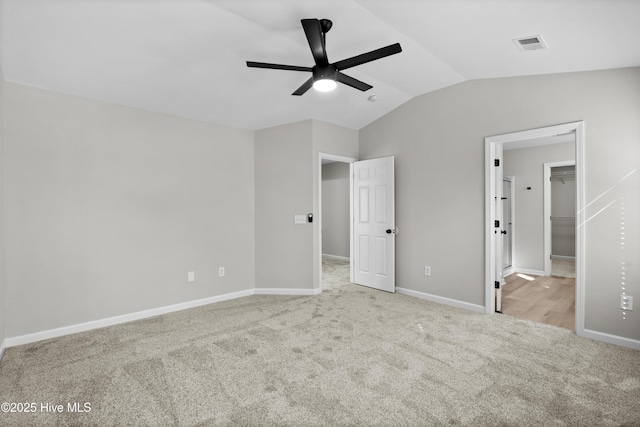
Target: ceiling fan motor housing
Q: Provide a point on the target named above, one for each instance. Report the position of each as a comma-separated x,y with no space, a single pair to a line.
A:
327,72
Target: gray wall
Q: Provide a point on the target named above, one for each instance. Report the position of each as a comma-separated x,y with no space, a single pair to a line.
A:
527,165
284,252
107,209
438,141
287,183
3,302
335,209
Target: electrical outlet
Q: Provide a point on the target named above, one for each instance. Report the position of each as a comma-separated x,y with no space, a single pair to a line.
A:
427,271
191,276
299,219
221,271
626,302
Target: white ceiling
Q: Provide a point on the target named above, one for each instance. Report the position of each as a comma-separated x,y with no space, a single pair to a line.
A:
188,57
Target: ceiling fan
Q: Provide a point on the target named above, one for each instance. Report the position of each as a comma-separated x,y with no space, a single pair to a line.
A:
325,75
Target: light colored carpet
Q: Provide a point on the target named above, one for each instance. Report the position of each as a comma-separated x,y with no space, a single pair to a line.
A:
335,273
563,267
350,356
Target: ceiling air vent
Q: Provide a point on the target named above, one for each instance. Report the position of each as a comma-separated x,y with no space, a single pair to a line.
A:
530,43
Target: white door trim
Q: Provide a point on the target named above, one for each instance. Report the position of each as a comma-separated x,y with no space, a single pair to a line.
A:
496,197
490,147
547,211
342,159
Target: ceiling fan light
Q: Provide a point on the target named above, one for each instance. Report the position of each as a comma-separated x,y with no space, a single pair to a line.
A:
325,85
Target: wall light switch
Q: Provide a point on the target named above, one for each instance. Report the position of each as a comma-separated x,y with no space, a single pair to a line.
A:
299,219
191,276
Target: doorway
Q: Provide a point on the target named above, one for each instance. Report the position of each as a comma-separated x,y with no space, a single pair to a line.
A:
371,221
335,225
494,210
334,220
549,297
545,207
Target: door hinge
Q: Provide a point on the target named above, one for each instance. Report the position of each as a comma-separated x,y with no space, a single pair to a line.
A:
496,162
496,223
496,284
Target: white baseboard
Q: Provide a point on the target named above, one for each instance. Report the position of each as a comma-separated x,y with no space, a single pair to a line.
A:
95,324
442,300
337,257
594,335
507,271
572,258
611,339
2,346
286,291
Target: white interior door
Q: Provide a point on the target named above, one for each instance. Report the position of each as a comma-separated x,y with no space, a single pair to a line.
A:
374,232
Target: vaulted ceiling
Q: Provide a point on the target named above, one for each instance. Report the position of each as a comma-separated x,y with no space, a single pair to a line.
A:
188,57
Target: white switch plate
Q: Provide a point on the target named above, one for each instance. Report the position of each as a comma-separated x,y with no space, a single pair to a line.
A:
427,271
221,271
299,219
191,276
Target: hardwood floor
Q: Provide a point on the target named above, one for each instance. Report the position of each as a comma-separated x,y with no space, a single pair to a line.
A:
545,299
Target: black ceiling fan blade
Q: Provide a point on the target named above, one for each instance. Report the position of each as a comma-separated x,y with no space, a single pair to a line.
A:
254,64
305,87
315,37
368,57
350,81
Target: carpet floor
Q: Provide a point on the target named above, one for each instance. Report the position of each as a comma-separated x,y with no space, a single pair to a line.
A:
349,356
563,267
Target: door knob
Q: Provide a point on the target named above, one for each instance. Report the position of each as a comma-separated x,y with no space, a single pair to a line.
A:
504,231
389,231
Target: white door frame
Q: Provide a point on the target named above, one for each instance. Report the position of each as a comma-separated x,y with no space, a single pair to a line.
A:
547,211
496,238
494,143
342,159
